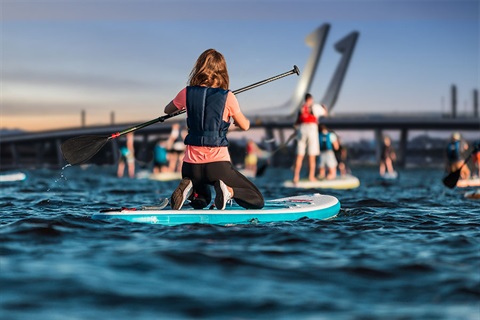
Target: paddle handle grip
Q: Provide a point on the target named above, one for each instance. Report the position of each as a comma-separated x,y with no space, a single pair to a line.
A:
295,70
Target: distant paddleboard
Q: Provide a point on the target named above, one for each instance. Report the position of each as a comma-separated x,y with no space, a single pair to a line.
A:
12,177
247,173
475,194
166,176
314,206
340,183
160,176
389,175
471,182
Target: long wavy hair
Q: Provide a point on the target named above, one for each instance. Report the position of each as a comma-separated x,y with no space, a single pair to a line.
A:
210,70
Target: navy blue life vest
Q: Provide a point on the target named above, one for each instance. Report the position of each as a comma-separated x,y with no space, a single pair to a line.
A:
205,107
325,143
453,151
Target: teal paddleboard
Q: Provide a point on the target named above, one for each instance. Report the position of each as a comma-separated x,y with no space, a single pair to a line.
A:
313,206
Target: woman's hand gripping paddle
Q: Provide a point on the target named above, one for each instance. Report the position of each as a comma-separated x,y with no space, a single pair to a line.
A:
80,149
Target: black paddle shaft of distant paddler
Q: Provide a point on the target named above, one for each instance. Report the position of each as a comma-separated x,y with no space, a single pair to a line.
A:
451,180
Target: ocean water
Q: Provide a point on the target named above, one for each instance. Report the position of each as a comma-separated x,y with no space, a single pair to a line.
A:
408,250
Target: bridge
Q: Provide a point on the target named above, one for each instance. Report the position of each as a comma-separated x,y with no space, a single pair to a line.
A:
42,149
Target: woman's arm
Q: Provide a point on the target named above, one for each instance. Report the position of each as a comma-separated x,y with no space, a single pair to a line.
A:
170,108
241,121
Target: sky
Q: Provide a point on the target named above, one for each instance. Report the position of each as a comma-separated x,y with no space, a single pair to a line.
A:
132,57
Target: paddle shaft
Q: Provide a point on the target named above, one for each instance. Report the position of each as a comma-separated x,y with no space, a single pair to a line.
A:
284,144
261,170
295,70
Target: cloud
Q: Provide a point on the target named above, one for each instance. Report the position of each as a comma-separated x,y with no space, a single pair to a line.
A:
239,10
74,80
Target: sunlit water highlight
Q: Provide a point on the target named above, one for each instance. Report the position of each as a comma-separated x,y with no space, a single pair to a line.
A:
409,250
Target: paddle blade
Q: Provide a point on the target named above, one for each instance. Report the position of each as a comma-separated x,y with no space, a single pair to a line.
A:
80,149
452,179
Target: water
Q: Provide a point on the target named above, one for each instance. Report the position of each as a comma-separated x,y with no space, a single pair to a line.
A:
404,251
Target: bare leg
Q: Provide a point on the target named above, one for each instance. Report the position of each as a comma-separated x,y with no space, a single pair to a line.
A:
465,172
121,169
311,168
298,167
321,175
382,168
388,163
131,169
173,161
332,173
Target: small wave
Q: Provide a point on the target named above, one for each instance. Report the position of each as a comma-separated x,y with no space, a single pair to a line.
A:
376,203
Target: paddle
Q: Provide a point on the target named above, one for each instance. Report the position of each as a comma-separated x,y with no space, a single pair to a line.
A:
261,170
451,180
80,149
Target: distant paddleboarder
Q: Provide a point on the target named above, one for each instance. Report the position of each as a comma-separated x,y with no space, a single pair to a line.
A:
327,161
307,136
456,148
387,157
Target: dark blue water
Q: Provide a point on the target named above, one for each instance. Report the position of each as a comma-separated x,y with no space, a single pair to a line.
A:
409,250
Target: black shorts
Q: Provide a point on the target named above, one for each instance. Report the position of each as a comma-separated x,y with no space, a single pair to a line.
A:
203,176
160,164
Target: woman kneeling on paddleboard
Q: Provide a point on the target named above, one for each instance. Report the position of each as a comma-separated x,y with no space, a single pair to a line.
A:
210,105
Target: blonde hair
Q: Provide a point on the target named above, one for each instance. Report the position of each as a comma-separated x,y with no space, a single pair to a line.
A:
210,70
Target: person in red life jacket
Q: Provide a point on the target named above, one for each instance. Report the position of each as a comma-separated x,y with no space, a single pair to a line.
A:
210,105
455,155
307,136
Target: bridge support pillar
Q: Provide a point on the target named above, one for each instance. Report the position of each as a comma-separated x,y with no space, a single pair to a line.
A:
403,148
282,136
39,154
60,160
15,157
378,144
144,152
115,155
269,135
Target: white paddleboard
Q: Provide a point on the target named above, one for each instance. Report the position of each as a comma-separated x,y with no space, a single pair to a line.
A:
12,177
340,183
475,194
471,182
389,175
161,176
